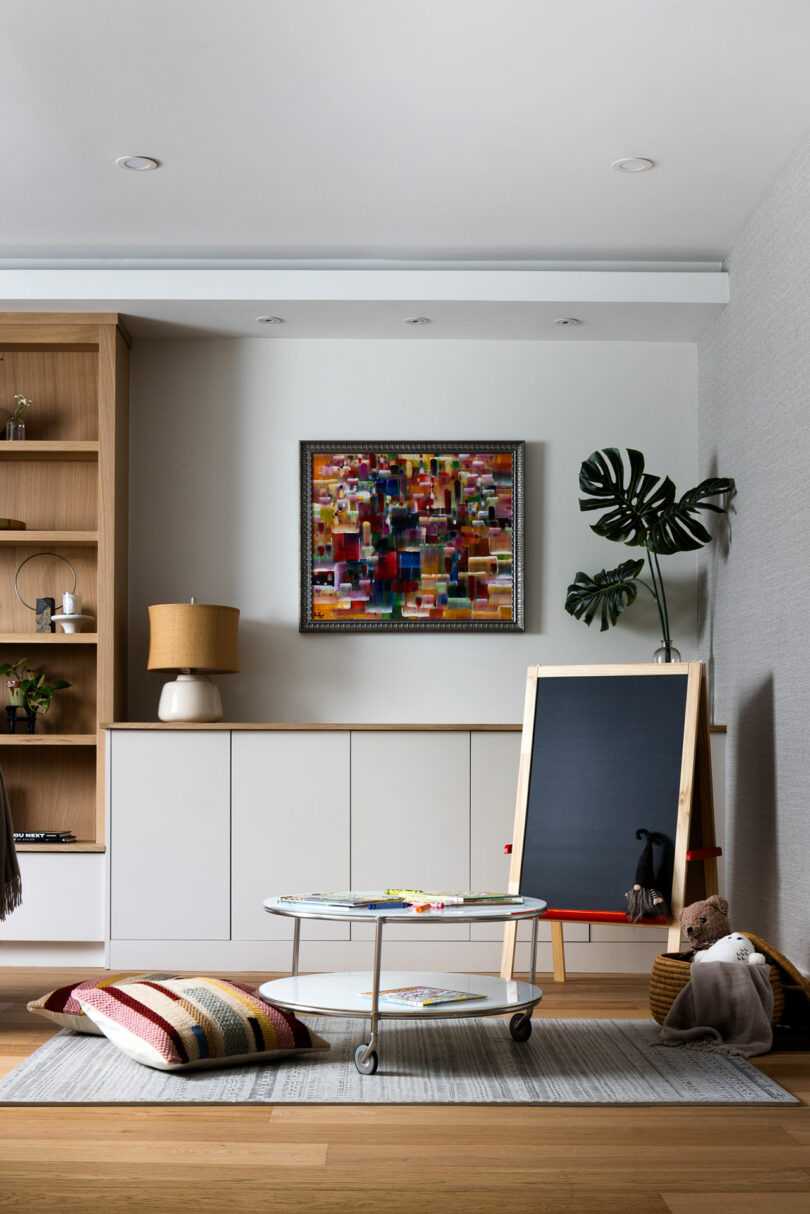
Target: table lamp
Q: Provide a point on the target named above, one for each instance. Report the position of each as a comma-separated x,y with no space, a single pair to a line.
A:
194,639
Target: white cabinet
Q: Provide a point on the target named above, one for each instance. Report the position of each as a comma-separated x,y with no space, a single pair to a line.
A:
205,823
63,898
170,835
411,816
290,826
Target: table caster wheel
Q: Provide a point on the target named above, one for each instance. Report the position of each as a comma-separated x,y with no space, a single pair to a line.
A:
520,1027
371,1063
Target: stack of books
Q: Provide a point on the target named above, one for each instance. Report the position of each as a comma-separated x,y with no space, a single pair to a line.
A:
347,900
44,836
423,996
456,897
394,899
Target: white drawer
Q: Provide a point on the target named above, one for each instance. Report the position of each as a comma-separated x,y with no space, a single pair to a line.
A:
63,898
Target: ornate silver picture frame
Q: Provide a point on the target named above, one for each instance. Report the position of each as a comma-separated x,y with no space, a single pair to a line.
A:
401,536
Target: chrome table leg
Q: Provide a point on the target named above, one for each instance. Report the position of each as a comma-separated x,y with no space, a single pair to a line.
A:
296,945
366,1058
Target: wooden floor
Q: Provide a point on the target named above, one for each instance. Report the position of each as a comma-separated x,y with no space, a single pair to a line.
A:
372,1160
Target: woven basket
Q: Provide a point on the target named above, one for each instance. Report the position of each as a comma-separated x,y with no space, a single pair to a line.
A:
672,971
795,1011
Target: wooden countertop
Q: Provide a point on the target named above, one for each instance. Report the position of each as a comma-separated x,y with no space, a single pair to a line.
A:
268,726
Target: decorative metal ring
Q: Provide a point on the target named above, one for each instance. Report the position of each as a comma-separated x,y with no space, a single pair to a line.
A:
30,558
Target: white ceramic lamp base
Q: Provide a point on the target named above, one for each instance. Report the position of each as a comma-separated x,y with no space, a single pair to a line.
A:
191,697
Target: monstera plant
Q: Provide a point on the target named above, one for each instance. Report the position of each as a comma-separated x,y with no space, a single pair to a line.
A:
642,511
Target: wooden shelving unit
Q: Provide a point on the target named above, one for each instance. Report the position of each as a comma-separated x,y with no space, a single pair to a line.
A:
68,482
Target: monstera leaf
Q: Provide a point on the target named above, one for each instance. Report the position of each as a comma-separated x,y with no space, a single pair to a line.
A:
609,592
644,510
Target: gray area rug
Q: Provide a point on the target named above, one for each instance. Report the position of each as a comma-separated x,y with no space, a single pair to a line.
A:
461,1062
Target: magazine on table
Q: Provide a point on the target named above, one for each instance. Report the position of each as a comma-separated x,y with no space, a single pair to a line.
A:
457,897
348,899
423,996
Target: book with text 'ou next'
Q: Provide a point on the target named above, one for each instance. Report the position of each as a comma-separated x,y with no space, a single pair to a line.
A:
423,996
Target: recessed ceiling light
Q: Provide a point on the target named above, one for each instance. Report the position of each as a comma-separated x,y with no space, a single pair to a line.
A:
567,321
633,164
417,320
138,164
269,320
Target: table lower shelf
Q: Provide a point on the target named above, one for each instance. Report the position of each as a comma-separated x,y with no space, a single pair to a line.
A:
342,994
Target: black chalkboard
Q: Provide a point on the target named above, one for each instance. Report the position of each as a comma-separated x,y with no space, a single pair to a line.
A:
606,757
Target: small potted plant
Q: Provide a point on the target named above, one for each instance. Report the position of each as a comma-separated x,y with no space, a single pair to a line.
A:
15,426
38,695
16,674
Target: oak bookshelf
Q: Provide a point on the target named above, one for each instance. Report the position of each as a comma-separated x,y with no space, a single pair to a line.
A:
67,480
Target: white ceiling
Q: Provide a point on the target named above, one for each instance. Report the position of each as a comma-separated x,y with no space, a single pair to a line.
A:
452,129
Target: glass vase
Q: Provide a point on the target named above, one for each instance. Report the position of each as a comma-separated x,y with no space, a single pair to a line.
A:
11,713
666,653
15,431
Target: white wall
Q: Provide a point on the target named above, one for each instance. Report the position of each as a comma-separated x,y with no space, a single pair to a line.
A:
754,371
214,506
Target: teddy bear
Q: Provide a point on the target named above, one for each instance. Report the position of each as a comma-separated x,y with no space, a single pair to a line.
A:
707,928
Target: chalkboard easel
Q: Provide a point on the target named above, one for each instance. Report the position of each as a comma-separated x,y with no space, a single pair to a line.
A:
607,750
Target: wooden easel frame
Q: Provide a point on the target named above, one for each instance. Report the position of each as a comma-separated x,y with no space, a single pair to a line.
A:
695,822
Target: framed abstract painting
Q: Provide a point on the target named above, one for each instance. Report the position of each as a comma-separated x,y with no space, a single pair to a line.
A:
411,536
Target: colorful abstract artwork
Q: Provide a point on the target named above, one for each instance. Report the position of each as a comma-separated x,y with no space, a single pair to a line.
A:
406,535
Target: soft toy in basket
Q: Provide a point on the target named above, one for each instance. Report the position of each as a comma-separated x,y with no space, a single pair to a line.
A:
708,930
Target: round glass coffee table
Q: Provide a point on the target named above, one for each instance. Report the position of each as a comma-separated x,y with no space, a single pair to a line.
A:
357,994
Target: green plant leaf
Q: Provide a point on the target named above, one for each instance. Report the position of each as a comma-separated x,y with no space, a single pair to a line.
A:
642,509
609,592
630,506
677,529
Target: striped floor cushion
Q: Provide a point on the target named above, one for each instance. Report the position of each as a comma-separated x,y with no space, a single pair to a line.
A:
63,1007
194,1022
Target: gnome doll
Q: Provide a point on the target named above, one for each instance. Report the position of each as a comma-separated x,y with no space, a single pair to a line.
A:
643,900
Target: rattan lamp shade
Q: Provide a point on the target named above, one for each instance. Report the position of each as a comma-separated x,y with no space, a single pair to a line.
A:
193,636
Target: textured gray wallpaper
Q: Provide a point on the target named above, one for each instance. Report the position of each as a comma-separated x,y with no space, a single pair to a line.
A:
754,424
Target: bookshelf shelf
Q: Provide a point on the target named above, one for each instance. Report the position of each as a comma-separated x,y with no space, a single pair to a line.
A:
74,848
49,539
29,450
48,638
48,739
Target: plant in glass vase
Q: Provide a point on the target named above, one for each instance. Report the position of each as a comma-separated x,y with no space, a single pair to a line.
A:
16,674
15,426
38,695
642,511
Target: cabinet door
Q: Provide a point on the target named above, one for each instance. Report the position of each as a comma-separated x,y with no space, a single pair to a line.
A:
494,759
63,898
290,827
411,817
170,835
493,784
